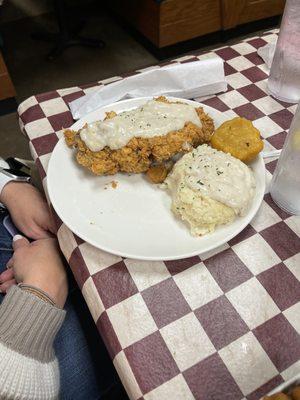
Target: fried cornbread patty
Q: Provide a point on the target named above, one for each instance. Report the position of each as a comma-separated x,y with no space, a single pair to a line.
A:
140,153
239,137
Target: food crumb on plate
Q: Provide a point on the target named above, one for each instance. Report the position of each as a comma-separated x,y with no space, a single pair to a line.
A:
114,184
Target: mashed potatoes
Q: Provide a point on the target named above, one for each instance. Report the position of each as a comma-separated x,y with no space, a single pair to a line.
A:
209,188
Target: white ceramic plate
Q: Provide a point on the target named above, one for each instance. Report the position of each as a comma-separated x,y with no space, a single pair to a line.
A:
133,220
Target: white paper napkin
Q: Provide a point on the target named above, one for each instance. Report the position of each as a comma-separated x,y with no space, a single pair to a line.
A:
187,80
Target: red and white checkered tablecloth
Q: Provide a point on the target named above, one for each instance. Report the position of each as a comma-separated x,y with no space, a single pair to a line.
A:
221,326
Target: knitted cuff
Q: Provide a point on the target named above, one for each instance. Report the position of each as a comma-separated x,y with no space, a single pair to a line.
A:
29,325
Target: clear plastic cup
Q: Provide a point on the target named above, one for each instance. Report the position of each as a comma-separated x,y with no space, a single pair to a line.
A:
285,184
284,80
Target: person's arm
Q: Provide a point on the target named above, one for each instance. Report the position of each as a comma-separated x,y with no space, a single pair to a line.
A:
28,326
29,322
27,207
28,210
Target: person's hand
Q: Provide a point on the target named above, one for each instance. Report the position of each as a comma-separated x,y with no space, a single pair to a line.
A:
28,210
38,264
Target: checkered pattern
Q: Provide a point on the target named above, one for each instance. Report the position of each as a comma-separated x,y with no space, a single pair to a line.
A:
223,325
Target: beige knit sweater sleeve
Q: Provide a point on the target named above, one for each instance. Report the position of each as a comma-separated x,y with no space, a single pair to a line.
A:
28,367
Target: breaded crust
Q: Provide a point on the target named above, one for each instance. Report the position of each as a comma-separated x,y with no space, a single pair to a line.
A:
139,153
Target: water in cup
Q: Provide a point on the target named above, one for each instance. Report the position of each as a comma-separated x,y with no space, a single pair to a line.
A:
285,185
284,80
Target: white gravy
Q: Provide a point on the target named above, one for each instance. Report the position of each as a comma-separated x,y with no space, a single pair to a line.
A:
216,175
154,118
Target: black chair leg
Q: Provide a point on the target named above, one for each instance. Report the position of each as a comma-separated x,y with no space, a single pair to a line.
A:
66,37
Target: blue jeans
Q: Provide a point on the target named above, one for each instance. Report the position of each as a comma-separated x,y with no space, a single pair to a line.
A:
86,371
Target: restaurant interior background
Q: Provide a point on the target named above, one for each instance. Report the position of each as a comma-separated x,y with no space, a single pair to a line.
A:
136,33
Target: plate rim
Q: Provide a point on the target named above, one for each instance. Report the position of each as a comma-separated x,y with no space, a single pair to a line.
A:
77,124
